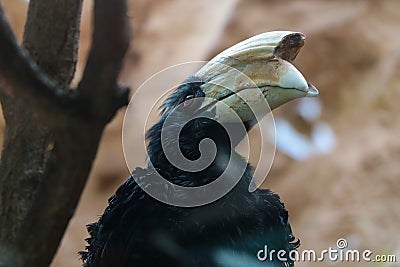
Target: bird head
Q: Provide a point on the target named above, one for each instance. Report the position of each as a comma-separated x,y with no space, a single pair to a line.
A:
255,71
238,86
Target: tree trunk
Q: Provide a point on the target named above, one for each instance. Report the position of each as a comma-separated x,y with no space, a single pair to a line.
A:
52,132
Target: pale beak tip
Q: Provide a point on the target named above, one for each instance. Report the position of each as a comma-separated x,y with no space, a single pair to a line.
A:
312,91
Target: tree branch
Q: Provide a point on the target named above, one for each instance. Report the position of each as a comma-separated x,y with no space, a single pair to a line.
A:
51,37
22,78
98,88
110,42
45,163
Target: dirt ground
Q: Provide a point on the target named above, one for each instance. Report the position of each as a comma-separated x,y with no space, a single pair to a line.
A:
352,56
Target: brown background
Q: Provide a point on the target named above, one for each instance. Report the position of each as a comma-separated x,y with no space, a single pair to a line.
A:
352,55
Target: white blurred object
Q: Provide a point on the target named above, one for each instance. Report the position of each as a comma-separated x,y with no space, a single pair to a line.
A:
309,108
323,138
297,145
291,142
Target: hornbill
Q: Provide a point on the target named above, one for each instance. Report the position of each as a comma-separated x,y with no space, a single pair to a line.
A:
138,230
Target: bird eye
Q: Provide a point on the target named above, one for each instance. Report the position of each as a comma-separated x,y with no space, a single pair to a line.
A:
189,101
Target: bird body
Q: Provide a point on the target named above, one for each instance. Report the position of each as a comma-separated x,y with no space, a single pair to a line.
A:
137,229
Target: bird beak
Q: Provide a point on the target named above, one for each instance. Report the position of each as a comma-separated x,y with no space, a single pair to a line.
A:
254,77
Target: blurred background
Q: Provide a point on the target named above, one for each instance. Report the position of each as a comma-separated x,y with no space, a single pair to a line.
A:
337,164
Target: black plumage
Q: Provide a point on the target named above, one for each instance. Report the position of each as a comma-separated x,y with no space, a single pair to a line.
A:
137,230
